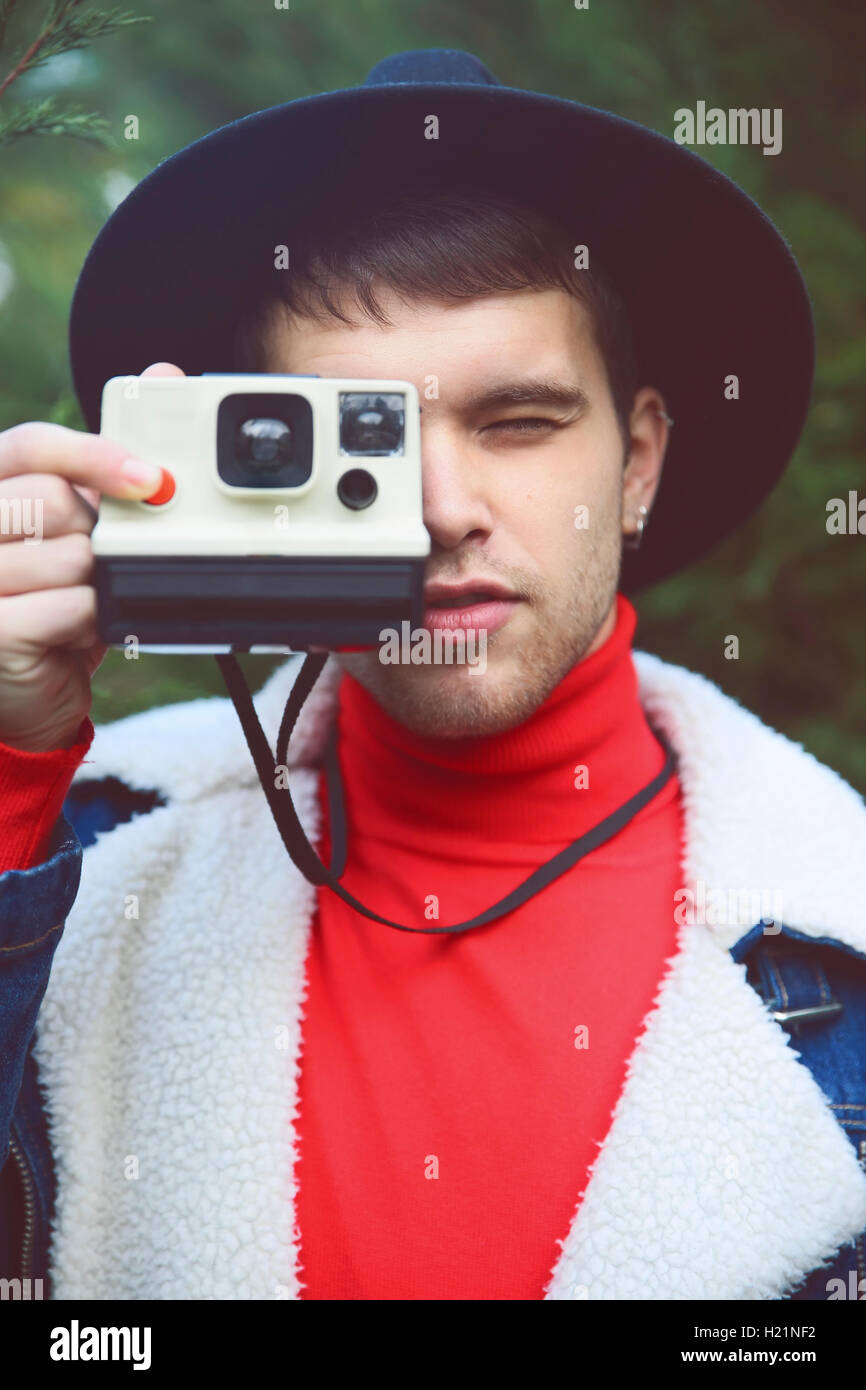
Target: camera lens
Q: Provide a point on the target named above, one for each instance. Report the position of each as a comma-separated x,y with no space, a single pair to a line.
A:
357,489
265,443
265,440
371,425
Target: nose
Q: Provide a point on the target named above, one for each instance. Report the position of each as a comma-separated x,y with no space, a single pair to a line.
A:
455,490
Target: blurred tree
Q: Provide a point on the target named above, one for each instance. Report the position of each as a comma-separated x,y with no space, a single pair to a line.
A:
792,593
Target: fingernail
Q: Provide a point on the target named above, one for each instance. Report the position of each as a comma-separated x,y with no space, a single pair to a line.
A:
164,492
141,474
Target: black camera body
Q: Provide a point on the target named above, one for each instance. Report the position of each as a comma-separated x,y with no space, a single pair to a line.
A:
295,519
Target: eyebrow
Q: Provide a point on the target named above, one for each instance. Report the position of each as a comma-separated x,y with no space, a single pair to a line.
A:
551,392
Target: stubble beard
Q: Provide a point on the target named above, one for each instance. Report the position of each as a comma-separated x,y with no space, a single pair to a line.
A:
452,702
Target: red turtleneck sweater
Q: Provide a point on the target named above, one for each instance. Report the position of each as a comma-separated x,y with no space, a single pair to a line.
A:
454,1091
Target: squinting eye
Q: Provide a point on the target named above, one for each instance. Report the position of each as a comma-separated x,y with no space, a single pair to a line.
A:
524,424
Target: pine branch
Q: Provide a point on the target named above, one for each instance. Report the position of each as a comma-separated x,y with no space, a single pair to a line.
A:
65,28
76,30
44,119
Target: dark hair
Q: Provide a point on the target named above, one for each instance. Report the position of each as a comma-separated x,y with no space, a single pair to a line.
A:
443,247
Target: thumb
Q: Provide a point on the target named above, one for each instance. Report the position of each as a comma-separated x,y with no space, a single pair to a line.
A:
163,369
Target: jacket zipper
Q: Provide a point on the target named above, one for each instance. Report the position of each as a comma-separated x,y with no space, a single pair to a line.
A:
29,1207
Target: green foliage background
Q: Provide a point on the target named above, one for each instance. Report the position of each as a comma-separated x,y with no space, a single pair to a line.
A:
790,592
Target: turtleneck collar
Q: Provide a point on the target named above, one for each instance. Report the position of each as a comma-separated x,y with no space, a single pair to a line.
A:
511,788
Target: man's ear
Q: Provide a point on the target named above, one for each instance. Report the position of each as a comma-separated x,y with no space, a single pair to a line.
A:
649,427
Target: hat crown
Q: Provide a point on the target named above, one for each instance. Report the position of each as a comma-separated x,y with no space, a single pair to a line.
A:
419,65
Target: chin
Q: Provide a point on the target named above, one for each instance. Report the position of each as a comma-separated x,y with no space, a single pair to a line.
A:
448,702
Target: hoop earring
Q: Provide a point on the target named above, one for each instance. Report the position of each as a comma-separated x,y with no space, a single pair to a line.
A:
632,539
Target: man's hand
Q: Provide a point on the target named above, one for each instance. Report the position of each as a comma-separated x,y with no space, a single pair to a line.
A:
49,644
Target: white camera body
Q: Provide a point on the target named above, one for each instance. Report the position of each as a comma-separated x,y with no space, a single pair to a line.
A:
296,516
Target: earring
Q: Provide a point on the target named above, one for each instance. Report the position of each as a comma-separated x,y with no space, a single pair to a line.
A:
632,539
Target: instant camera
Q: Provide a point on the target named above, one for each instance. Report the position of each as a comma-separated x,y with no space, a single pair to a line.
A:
295,519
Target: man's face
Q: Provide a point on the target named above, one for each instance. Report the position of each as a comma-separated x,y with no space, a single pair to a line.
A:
503,475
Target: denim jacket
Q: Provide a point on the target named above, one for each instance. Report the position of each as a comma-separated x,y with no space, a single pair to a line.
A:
782,1053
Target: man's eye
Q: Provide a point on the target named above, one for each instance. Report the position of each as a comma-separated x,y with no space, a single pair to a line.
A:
524,424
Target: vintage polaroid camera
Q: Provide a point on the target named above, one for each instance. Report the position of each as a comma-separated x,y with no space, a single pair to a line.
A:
296,516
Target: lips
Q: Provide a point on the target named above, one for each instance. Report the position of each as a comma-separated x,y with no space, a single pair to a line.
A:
476,604
459,595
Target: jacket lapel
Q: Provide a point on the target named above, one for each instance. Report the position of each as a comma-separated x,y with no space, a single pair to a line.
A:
725,1174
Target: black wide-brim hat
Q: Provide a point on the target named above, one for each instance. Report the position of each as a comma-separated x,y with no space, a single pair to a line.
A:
711,286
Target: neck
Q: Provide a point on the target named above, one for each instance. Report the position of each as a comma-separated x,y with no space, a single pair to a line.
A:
580,755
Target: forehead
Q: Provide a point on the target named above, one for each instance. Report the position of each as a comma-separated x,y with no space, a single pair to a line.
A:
523,331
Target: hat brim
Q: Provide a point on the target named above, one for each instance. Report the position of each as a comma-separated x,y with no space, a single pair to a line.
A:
711,286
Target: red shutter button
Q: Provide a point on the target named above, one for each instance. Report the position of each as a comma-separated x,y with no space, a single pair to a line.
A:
164,492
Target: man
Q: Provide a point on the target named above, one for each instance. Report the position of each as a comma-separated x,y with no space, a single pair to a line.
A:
252,1090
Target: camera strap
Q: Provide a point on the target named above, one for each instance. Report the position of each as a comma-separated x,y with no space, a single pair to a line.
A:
303,855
